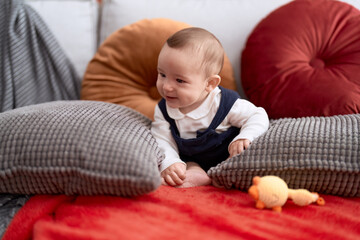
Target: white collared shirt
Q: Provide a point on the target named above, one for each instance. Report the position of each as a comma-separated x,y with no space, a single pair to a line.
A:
252,120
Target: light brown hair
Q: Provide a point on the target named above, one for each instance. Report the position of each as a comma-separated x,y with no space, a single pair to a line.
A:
201,42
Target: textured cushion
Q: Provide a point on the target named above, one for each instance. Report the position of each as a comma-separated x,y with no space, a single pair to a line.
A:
124,70
77,147
320,154
303,59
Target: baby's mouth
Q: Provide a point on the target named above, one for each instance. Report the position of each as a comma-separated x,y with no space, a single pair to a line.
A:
170,98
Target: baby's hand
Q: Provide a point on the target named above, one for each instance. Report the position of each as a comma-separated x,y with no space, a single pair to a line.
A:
238,146
174,174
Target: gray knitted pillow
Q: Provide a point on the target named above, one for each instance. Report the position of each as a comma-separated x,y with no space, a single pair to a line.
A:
77,147
321,154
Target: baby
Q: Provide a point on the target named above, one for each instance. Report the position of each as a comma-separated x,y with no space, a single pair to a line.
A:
199,124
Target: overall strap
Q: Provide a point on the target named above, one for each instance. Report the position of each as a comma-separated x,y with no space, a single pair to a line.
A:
162,106
228,98
209,147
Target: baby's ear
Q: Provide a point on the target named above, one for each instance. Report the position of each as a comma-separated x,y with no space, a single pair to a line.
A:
212,82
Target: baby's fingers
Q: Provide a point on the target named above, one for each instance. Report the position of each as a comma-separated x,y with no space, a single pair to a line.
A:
169,180
180,173
246,143
236,148
173,179
163,182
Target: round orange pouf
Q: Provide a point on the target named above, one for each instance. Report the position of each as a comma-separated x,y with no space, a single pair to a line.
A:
124,69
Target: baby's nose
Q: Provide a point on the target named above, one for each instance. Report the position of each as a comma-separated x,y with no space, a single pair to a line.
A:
168,87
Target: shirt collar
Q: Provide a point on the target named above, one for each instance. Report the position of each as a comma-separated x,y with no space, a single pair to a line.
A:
200,112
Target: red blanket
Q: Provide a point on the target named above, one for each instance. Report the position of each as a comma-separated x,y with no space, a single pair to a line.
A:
171,213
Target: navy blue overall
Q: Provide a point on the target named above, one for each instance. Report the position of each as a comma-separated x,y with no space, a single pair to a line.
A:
209,147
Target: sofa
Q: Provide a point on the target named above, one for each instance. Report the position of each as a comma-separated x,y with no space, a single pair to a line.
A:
78,92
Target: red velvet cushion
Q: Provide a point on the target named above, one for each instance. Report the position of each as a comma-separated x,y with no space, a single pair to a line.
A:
304,60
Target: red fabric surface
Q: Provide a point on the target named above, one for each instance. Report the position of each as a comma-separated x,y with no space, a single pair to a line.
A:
171,213
303,59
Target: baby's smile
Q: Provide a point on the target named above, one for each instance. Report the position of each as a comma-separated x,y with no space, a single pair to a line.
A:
169,98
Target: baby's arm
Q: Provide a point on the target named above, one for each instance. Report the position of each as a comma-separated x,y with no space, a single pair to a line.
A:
171,167
253,122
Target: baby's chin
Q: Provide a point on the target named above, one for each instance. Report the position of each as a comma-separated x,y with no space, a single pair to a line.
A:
173,103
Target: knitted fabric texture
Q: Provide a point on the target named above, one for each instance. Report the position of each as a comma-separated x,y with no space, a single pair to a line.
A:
320,154
77,147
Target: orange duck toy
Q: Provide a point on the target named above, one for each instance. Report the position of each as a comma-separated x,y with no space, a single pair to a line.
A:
272,192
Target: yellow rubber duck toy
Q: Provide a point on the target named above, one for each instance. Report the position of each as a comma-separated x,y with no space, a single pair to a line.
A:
273,192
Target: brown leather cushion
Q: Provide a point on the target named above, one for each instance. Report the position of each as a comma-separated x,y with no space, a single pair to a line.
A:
124,69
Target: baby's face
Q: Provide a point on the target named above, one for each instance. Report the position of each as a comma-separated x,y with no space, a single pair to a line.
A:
181,80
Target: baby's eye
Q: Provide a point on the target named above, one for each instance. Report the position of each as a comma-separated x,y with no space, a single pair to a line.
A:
179,80
162,75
